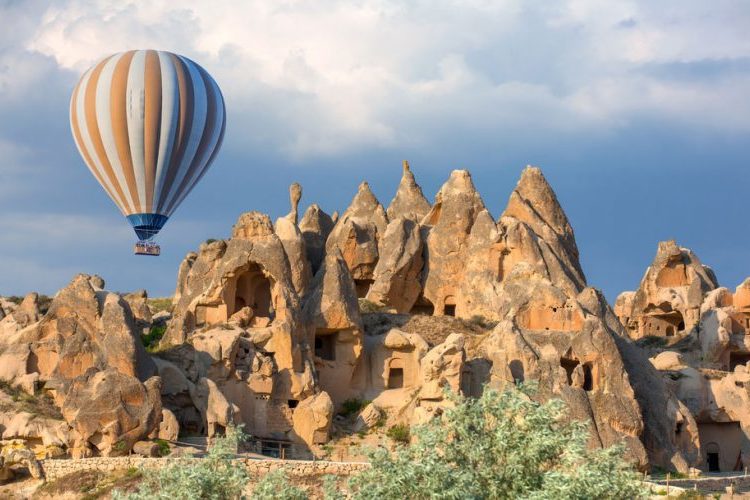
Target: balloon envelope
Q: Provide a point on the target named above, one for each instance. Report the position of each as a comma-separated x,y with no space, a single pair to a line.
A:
148,124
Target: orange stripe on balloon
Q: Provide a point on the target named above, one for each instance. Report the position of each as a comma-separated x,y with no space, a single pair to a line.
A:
93,128
118,115
152,122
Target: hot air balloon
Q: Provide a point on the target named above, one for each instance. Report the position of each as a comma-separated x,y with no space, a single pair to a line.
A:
148,124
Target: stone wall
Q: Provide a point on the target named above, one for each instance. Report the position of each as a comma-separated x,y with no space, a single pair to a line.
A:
56,468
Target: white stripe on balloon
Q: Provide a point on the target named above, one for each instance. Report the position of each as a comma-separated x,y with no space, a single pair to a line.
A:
134,110
170,113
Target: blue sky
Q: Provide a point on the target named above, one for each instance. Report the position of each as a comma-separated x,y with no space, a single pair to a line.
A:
638,114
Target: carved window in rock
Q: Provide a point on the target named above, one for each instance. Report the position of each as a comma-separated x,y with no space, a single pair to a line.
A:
395,374
662,321
363,286
422,307
588,377
449,306
570,366
738,358
251,288
325,346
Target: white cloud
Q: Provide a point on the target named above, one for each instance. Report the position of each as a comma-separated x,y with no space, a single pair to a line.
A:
326,77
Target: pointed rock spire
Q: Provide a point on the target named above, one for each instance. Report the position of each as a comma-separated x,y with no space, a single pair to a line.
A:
409,202
534,203
315,225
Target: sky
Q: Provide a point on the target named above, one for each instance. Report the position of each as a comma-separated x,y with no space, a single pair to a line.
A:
638,113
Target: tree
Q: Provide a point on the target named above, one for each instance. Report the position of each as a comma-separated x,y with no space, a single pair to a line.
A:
502,445
216,477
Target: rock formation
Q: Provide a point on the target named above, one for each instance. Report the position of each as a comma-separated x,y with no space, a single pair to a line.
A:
668,300
282,326
357,235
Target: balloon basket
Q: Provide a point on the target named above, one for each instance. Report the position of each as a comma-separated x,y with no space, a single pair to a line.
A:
147,248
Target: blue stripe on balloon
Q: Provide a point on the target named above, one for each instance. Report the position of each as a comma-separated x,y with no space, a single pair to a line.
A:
146,226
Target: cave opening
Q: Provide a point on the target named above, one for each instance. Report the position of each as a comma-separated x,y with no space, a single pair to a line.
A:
325,346
253,289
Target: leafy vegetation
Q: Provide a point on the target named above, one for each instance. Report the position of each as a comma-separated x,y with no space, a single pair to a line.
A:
353,406
151,339
276,486
399,433
502,445
164,448
366,306
215,477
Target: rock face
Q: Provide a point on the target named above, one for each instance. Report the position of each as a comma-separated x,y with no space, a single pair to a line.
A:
87,353
316,226
357,236
668,300
697,338
332,310
450,221
397,276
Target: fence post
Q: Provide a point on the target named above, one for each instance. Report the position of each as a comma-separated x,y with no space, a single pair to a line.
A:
668,476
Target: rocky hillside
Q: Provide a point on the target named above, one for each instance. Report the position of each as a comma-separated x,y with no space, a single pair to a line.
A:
312,330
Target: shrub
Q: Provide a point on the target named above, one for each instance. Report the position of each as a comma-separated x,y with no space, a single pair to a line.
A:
353,406
151,339
164,448
399,433
275,485
215,477
482,322
366,306
502,445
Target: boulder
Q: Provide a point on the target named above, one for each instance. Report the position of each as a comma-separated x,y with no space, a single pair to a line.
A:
109,410
312,419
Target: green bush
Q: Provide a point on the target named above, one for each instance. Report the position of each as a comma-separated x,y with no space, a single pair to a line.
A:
353,406
151,339
275,486
164,448
502,445
215,477
399,433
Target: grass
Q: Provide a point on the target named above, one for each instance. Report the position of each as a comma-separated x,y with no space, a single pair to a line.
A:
40,404
353,406
151,339
366,306
160,304
399,433
90,484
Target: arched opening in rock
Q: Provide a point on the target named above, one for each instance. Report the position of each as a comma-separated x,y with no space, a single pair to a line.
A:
395,374
570,366
325,345
516,370
363,286
588,377
251,288
738,358
662,321
450,310
292,403
722,445
678,428
423,307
